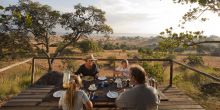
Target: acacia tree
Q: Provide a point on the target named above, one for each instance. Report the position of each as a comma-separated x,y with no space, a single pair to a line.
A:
172,40
11,36
82,22
201,7
41,20
37,22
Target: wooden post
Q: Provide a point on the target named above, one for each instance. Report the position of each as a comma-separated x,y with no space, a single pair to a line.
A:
114,64
171,73
33,71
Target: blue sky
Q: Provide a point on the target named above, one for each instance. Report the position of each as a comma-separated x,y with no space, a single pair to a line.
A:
138,16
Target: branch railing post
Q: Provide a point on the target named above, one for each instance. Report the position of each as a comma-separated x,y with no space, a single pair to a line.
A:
33,71
171,73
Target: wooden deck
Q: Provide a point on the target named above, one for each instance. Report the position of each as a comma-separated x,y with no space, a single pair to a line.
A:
33,99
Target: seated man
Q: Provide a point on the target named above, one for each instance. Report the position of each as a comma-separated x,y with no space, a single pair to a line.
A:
123,70
141,96
89,68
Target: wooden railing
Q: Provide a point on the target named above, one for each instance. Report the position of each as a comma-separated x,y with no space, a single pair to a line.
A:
171,62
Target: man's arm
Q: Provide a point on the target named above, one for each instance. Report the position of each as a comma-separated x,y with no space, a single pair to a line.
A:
96,70
79,71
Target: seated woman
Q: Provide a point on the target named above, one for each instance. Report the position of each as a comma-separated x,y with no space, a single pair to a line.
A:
123,70
74,98
89,68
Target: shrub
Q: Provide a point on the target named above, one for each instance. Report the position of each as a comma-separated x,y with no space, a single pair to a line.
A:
146,51
194,60
156,71
69,64
88,46
111,61
170,56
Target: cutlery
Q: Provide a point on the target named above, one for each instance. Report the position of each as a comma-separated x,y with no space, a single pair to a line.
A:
110,93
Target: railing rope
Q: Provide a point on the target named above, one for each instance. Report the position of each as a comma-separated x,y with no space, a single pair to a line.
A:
170,61
200,72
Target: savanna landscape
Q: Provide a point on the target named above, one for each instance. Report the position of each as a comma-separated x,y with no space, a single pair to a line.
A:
27,31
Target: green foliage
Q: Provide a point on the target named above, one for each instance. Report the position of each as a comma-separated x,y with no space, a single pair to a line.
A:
111,61
109,46
172,41
170,56
32,18
69,65
146,51
88,46
203,6
155,71
194,60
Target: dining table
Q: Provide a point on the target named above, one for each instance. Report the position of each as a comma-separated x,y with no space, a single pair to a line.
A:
99,96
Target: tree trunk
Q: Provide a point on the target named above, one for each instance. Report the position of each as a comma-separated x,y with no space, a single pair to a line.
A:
50,68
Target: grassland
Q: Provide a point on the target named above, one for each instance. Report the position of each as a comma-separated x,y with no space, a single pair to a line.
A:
14,80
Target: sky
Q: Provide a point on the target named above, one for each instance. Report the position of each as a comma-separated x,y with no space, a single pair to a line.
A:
139,16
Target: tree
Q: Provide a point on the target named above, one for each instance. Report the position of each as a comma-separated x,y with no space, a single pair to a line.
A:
172,40
88,45
39,21
82,22
202,6
10,33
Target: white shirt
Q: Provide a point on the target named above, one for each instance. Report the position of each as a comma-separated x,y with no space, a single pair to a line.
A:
124,71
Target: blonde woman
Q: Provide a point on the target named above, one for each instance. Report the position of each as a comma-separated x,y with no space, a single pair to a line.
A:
74,98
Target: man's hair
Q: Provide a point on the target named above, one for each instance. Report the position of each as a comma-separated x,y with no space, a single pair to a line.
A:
138,73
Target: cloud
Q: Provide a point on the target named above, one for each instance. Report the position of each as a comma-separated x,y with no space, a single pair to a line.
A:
138,16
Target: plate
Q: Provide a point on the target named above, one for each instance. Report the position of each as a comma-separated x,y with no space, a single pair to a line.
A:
58,93
112,94
102,78
88,78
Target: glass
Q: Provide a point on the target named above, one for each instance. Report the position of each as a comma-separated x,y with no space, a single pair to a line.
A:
66,78
119,83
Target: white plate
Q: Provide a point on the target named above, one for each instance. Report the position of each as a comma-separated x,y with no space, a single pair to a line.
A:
102,78
112,94
58,93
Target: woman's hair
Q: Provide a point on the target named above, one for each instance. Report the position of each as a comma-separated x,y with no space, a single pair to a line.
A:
138,73
69,97
125,61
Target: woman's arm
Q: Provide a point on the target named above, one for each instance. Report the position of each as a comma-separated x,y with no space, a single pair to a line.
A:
89,105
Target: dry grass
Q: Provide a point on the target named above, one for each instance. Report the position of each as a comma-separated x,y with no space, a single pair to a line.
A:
13,80
190,82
